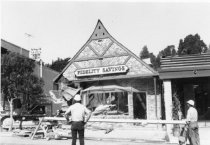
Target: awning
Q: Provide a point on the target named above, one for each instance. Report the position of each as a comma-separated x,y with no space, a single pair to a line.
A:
56,96
109,88
67,93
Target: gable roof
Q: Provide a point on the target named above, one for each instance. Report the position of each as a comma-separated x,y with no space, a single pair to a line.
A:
101,50
188,66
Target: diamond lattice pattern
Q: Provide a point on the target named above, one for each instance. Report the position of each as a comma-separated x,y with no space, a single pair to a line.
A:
136,67
114,60
86,53
89,63
100,45
69,72
115,50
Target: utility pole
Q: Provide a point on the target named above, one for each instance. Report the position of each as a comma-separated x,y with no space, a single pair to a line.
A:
28,36
36,55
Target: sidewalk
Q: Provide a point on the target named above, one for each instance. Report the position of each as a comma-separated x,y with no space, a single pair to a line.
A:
131,136
142,134
204,133
8,139
116,137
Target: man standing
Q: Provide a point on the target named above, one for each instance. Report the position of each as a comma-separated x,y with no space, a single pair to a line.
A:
78,120
192,118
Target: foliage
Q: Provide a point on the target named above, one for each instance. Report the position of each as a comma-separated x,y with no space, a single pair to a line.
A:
176,106
18,79
192,44
59,64
144,53
168,51
153,61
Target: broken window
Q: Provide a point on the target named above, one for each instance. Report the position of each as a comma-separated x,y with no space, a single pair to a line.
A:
110,103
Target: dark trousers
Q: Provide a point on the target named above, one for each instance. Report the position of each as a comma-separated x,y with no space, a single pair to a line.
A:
77,127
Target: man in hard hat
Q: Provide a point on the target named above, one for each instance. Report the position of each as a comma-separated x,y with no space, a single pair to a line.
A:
78,114
192,118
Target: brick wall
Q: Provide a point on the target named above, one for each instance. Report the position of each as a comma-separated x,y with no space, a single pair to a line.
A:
151,107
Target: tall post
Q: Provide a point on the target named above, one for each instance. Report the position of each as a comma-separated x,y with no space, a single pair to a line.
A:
1,94
84,99
155,90
1,100
36,54
168,102
40,68
130,105
11,114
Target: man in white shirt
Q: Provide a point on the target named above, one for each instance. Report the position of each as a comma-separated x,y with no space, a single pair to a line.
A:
192,118
78,119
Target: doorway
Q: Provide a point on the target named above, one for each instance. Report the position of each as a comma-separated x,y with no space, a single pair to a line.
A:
202,99
139,105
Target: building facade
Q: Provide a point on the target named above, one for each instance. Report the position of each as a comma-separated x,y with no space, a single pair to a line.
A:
110,74
189,78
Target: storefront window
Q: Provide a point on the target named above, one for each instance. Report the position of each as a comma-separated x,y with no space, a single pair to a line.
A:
110,103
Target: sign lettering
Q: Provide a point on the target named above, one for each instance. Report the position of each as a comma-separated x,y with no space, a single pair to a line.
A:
101,70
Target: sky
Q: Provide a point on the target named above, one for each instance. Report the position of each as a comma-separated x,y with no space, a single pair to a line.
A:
61,28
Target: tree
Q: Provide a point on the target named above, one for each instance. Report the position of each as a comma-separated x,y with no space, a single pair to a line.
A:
168,51
153,60
144,53
18,80
59,64
192,44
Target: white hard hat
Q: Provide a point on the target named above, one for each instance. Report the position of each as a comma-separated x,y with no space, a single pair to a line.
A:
191,102
77,97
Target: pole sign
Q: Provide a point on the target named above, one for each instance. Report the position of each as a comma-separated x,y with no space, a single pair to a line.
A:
101,70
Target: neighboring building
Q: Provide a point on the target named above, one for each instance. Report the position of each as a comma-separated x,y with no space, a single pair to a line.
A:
47,74
189,77
9,47
110,74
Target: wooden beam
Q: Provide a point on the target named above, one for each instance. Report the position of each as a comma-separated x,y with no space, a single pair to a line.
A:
37,128
110,44
123,120
141,101
100,57
93,49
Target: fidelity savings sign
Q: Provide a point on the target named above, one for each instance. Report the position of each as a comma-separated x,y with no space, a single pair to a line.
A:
101,70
